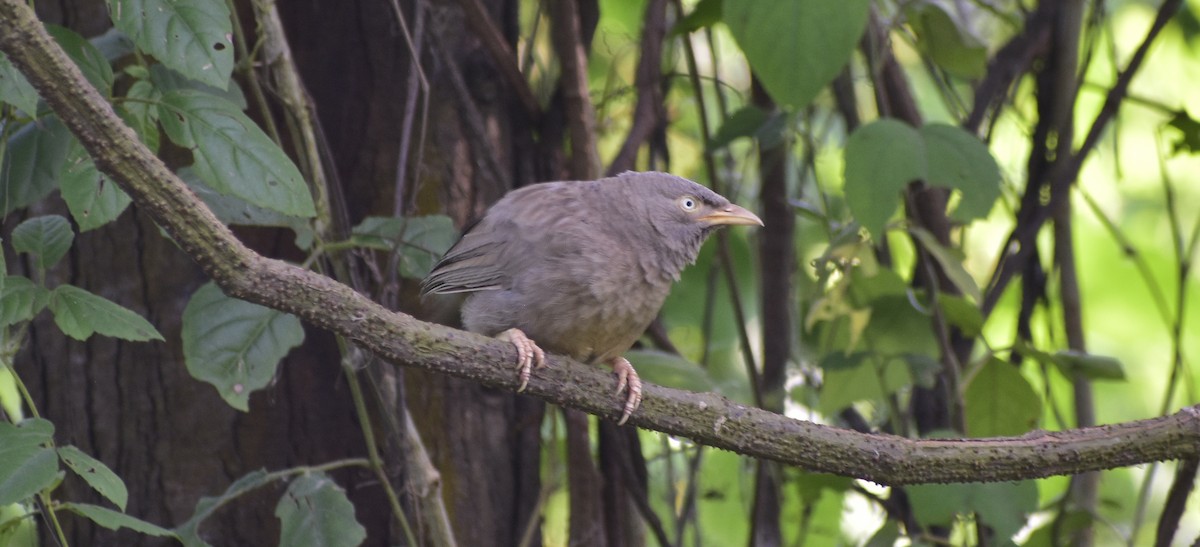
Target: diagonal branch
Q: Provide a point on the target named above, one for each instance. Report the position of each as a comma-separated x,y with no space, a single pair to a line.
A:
706,418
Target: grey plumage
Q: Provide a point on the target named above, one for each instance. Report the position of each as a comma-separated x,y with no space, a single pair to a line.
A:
581,268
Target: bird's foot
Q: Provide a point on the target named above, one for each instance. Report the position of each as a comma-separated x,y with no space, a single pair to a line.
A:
627,378
529,355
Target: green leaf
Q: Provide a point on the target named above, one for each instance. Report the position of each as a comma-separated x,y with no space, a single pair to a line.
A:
743,123
960,161
796,47
420,241
947,42
232,155
189,532
1002,506
91,61
881,159
48,238
15,89
97,475
1189,141
884,156
231,210
951,261
235,345
190,36
705,14
114,520
315,512
999,402
1094,367
166,80
33,160
20,300
141,113
961,313
80,314
897,328
670,370
93,199
26,464
862,382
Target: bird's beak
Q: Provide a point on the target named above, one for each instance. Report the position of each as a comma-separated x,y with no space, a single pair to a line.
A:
732,215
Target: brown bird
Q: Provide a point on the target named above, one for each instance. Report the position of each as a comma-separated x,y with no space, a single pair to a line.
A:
581,268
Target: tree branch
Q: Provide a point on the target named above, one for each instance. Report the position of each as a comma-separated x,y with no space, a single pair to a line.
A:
704,417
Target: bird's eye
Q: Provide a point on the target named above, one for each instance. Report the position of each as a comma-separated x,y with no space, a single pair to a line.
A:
687,203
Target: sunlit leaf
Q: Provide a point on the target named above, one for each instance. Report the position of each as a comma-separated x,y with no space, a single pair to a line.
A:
952,46
960,161
1002,506
951,261
314,512
705,14
743,123
1095,367
881,159
796,47
1000,402
235,345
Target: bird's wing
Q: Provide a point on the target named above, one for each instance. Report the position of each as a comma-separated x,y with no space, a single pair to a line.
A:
475,263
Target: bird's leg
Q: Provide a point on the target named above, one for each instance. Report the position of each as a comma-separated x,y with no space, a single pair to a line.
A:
627,378
529,355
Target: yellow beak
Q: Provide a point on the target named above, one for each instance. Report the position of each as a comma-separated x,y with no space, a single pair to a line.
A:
732,215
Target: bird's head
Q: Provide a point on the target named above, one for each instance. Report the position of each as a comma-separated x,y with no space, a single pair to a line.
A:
681,213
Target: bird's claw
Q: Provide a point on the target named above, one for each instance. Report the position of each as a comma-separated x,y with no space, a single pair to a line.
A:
529,355
627,379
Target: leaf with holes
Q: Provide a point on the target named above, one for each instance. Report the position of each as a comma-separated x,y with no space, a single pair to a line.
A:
97,475
315,512
27,465
80,314
93,199
190,36
114,520
232,155
47,238
796,47
235,345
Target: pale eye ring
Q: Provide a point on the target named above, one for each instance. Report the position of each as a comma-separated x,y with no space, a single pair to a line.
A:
688,203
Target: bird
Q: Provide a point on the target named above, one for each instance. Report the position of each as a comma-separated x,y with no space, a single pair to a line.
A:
581,268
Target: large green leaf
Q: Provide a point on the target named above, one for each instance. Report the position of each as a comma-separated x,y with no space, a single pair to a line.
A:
884,156
33,160
796,47
881,159
1000,402
114,520
97,475
47,238
93,199
190,36
419,241
21,299
235,345
15,89
861,380
232,155
27,465
314,512
231,210
80,314
1002,506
